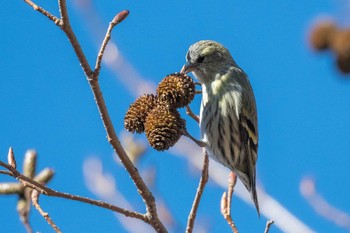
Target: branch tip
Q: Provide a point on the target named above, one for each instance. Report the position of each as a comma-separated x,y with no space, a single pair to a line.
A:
268,225
120,17
11,158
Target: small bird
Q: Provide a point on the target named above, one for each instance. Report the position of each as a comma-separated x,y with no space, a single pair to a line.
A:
228,115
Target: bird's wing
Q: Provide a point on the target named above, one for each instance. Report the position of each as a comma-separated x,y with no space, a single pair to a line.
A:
249,148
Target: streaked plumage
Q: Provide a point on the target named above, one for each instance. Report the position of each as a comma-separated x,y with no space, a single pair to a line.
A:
228,117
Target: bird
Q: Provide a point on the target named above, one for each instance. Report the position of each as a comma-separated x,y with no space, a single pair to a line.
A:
228,114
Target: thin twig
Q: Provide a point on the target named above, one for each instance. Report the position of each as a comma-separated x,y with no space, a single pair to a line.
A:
200,190
268,225
117,19
27,227
50,16
191,114
35,201
226,202
50,192
198,142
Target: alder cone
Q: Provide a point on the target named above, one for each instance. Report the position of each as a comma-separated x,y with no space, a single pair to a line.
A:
164,127
176,90
136,115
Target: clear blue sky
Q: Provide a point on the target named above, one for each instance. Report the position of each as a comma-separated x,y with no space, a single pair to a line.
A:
303,104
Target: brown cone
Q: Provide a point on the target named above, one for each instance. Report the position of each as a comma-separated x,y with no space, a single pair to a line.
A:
163,127
176,90
136,115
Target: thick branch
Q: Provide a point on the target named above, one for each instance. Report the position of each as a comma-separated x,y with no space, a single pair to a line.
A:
200,189
132,170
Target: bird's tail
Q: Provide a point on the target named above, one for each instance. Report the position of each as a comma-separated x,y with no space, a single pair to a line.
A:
249,183
255,198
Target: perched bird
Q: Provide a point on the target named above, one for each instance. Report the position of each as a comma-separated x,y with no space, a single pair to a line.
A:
228,116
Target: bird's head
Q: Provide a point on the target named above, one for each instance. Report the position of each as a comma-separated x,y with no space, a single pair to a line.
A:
208,60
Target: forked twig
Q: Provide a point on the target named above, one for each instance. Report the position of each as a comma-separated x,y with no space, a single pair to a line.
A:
200,190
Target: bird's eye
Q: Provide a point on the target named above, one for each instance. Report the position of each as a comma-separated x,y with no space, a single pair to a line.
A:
200,59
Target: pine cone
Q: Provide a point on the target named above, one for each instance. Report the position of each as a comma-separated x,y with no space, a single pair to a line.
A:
176,90
164,127
136,115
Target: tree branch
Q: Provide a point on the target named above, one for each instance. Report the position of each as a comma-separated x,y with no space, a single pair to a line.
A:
50,16
28,182
191,114
226,202
200,189
35,201
117,19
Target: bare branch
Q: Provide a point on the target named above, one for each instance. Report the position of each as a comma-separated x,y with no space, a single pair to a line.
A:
198,142
191,114
117,19
200,190
50,16
268,225
134,174
35,201
225,206
63,12
26,181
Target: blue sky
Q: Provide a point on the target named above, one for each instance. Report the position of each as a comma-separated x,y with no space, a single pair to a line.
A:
47,105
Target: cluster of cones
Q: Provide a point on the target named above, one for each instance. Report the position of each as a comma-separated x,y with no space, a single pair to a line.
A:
326,35
157,115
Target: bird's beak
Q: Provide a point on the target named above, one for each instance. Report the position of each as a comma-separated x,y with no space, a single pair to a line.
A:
188,68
